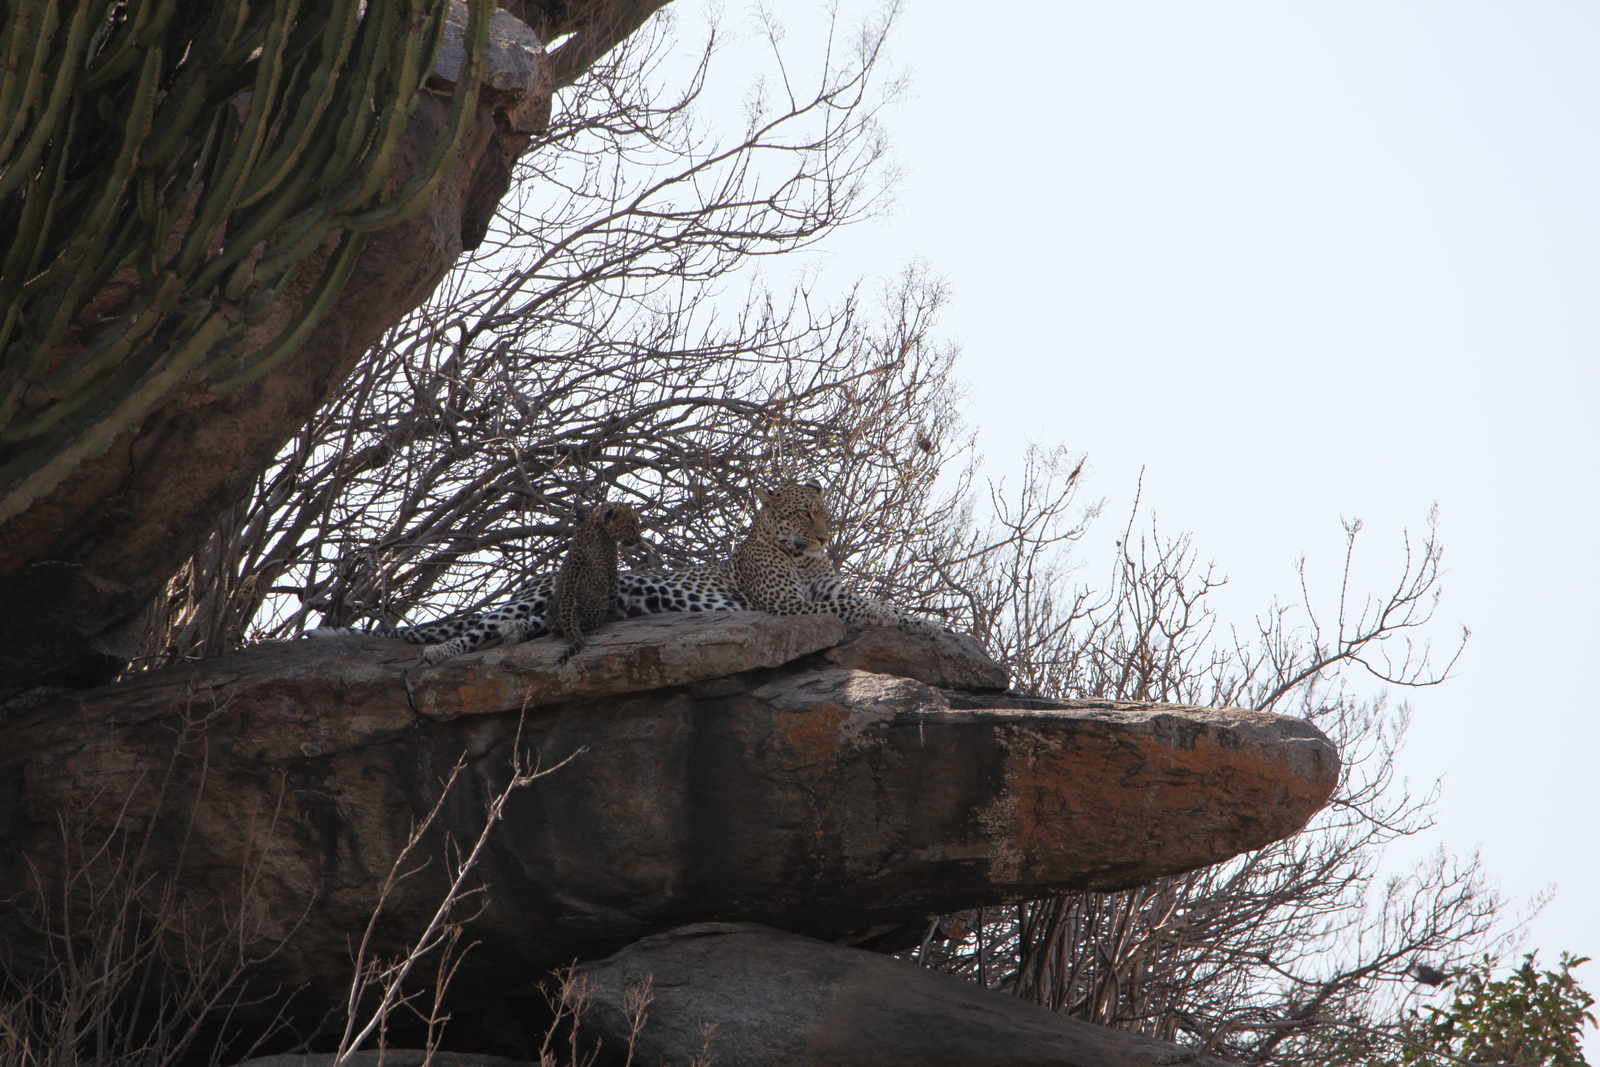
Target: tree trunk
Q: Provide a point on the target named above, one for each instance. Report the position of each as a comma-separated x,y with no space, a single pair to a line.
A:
79,565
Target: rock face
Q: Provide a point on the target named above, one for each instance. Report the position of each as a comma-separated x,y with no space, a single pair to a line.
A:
954,661
779,1000
727,767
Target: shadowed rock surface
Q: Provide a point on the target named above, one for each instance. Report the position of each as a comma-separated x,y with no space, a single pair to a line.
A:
779,1000
726,770
394,1057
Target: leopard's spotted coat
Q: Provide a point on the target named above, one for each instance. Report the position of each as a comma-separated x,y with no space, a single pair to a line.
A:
781,567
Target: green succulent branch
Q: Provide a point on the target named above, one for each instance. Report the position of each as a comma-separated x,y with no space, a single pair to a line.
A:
167,168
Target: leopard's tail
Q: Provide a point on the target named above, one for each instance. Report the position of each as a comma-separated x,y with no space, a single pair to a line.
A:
572,649
333,631
401,632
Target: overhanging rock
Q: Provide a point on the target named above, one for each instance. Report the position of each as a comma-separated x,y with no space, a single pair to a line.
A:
726,768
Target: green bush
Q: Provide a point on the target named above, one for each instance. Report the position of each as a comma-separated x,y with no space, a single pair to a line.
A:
1530,1018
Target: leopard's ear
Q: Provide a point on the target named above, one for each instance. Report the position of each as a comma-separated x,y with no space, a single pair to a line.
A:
580,514
812,485
765,497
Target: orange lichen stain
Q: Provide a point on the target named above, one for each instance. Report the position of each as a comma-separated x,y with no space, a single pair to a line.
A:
468,693
1084,798
812,735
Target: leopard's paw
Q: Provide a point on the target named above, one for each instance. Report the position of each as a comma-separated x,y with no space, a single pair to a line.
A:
515,631
876,613
919,626
441,652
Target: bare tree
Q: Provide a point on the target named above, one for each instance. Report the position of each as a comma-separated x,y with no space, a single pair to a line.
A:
132,967
587,351
385,980
592,349
1247,957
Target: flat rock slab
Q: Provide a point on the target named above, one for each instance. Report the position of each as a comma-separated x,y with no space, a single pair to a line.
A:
778,1000
949,661
653,652
723,770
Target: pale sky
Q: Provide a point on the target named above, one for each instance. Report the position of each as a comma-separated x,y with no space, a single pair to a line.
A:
1302,262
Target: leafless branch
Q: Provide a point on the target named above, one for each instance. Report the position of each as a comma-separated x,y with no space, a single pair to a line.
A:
443,929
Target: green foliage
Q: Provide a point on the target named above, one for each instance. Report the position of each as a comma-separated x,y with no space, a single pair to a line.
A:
166,166
1531,1017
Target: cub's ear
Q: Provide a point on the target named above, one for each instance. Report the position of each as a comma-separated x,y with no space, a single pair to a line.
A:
765,497
812,485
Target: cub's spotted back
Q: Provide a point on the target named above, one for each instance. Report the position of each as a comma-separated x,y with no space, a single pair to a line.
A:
586,584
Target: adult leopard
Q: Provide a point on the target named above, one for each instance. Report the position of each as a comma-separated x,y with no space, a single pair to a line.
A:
781,567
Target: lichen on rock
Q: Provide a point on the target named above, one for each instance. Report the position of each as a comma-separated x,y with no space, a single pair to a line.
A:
730,767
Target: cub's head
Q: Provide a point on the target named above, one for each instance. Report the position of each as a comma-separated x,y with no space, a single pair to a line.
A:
795,517
618,520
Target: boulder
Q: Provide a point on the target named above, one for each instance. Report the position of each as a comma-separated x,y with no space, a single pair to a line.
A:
722,768
392,1057
779,1000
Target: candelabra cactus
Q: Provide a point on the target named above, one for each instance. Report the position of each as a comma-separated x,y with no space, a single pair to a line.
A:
168,168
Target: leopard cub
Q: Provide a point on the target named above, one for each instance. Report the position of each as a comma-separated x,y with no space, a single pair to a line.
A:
586,585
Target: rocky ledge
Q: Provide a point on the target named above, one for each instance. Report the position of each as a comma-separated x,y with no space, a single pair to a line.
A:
845,786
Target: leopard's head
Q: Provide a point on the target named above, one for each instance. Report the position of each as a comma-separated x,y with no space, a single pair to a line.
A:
795,518
618,520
